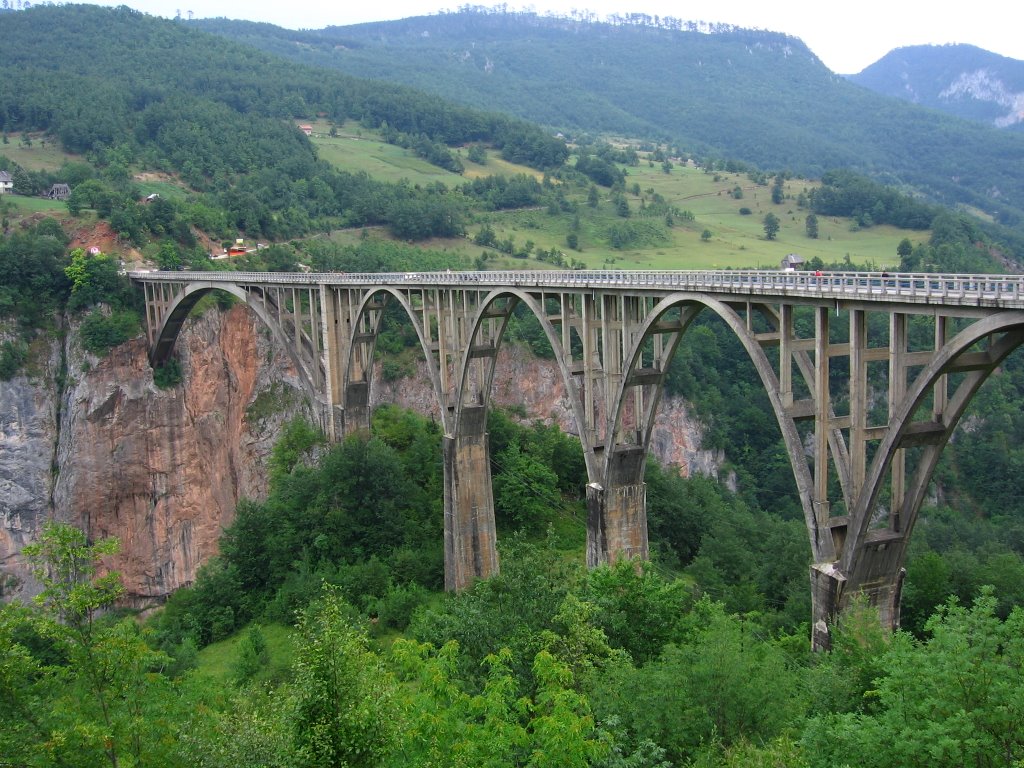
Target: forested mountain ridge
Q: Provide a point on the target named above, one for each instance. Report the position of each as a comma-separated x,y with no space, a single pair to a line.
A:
757,96
127,91
961,80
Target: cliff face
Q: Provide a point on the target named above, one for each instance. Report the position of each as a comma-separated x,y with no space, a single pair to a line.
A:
28,414
163,469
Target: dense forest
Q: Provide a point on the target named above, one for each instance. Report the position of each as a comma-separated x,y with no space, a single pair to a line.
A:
346,657
124,89
320,636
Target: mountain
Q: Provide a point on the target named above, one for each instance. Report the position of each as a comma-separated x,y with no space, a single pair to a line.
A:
961,80
760,97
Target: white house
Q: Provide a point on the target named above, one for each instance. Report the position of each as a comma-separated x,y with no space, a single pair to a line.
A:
6,183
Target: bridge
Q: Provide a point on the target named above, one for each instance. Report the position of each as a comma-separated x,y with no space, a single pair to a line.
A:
862,454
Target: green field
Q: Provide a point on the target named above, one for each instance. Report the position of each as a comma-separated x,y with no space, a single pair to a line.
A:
19,205
42,155
216,662
736,241
355,150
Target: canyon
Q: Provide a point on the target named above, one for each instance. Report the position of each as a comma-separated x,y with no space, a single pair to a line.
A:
162,470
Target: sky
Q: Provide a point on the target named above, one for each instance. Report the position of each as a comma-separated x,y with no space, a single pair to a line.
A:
847,37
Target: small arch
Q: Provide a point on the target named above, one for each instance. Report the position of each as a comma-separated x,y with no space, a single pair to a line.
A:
363,314
694,303
173,320
531,301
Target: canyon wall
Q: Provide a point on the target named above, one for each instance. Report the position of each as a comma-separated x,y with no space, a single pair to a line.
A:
163,469
160,469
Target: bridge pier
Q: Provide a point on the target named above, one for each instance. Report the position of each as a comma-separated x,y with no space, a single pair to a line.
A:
617,510
616,523
831,593
470,537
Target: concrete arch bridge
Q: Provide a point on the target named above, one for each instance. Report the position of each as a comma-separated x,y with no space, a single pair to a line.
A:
862,458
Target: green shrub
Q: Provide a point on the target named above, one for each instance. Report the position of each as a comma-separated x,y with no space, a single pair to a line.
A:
100,332
13,355
167,375
395,609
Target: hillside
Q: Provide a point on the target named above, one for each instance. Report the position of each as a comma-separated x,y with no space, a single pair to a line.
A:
756,96
961,80
125,91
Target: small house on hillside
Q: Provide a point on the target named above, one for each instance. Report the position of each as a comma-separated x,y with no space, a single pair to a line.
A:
6,183
58,192
792,261
306,129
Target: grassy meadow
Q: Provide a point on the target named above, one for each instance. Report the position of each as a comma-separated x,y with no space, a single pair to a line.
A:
40,155
735,241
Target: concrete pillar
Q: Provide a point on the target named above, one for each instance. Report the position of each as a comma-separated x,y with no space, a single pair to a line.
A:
470,537
832,592
357,408
616,523
617,510
828,585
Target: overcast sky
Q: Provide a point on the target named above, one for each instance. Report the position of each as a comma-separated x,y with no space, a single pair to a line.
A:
847,37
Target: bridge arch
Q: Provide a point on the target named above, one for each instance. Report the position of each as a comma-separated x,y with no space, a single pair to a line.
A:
600,330
485,343
873,557
181,307
690,306
357,364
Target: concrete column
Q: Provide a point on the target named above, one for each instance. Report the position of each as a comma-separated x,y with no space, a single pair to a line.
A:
470,537
617,511
878,579
828,586
357,408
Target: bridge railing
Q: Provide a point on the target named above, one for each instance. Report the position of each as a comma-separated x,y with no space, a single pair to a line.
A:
913,287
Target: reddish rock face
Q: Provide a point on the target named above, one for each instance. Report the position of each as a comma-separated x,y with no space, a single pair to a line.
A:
162,469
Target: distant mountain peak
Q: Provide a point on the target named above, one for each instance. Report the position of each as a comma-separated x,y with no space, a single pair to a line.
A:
962,80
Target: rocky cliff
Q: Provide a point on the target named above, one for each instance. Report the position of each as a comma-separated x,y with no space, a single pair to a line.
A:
160,469
163,469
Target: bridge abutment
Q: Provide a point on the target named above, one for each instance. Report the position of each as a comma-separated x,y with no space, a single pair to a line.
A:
470,536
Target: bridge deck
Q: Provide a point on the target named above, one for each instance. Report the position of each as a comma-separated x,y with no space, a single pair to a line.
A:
946,290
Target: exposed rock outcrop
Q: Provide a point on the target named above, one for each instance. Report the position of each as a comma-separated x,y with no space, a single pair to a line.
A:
28,419
160,469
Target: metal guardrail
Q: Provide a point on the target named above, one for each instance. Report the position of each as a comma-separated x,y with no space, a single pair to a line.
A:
1006,291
